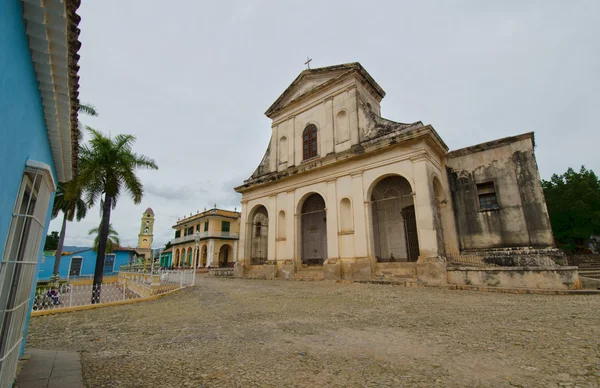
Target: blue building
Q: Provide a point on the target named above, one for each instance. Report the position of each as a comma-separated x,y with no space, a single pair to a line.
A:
39,86
83,263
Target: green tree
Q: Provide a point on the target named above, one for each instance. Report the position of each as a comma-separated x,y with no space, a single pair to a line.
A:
168,245
68,201
51,241
107,169
573,201
111,243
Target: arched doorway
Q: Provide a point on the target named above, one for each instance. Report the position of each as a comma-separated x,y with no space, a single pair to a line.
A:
176,258
188,257
313,229
394,221
259,236
204,256
224,256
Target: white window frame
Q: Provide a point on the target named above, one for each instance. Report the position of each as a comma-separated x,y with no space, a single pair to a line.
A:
22,250
71,263
114,261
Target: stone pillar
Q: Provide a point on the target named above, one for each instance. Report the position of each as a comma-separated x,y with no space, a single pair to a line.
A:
431,268
211,252
328,130
358,207
243,232
332,225
235,249
271,237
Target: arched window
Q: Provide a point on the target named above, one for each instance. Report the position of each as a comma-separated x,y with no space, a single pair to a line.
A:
342,127
281,225
346,215
309,142
283,150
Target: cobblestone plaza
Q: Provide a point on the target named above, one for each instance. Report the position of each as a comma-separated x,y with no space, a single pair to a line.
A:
240,333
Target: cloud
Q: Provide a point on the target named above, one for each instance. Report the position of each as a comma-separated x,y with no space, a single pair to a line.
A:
478,72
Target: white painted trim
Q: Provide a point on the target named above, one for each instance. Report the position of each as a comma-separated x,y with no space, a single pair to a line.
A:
71,262
43,169
47,31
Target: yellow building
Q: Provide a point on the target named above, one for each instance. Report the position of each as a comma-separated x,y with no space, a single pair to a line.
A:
212,236
144,247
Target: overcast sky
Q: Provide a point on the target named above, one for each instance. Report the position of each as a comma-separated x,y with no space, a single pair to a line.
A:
192,80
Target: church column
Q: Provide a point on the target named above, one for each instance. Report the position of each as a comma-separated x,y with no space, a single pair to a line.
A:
328,130
235,249
332,229
424,209
358,207
272,228
211,252
243,227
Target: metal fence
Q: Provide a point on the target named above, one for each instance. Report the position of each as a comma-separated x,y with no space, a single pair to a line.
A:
131,285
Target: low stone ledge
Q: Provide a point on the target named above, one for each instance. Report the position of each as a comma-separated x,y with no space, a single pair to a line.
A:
561,278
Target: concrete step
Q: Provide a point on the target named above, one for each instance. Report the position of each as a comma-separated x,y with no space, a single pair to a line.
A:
309,275
406,282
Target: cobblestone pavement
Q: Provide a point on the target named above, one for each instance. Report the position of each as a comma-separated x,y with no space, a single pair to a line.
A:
241,333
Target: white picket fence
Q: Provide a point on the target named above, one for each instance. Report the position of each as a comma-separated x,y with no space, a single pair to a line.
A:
137,285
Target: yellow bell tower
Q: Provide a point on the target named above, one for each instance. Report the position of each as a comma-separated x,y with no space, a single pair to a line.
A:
146,233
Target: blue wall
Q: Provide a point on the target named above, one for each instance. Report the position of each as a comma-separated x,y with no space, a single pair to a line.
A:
88,265
22,126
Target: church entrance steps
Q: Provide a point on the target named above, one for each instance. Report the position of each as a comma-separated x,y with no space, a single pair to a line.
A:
589,273
406,282
309,274
220,272
589,265
256,272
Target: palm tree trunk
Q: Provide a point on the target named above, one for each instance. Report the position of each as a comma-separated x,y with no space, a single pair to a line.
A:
59,248
102,238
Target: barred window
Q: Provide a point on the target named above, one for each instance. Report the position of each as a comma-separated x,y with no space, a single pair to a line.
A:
17,268
309,142
487,196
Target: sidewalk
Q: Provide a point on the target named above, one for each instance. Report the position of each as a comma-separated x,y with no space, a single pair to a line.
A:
50,369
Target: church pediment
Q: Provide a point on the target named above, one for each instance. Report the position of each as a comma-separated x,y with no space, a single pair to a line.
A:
313,80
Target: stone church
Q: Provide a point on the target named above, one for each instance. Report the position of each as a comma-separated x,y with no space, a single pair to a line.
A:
343,193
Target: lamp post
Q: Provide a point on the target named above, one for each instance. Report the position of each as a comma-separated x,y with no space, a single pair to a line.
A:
197,239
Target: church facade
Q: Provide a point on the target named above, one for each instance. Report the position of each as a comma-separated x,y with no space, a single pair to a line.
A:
349,194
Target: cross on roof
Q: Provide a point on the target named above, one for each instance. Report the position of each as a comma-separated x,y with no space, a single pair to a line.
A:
307,63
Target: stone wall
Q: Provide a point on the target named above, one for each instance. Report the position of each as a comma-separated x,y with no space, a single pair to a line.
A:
563,278
521,218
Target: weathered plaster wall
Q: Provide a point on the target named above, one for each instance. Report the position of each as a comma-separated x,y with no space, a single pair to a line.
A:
563,278
521,218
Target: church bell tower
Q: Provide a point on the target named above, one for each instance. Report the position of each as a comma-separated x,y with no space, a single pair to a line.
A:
146,233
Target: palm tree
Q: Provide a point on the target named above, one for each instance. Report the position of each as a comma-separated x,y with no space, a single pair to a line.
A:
106,169
68,199
111,243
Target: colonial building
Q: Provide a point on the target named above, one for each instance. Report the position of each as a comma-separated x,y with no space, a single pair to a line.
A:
354,195
144,247
211,235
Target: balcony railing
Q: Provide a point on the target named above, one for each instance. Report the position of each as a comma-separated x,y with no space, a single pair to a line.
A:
209,234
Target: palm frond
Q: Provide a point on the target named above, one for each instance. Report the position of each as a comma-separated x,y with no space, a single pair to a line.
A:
88,109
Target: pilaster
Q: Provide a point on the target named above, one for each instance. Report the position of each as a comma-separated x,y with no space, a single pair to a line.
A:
332,228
